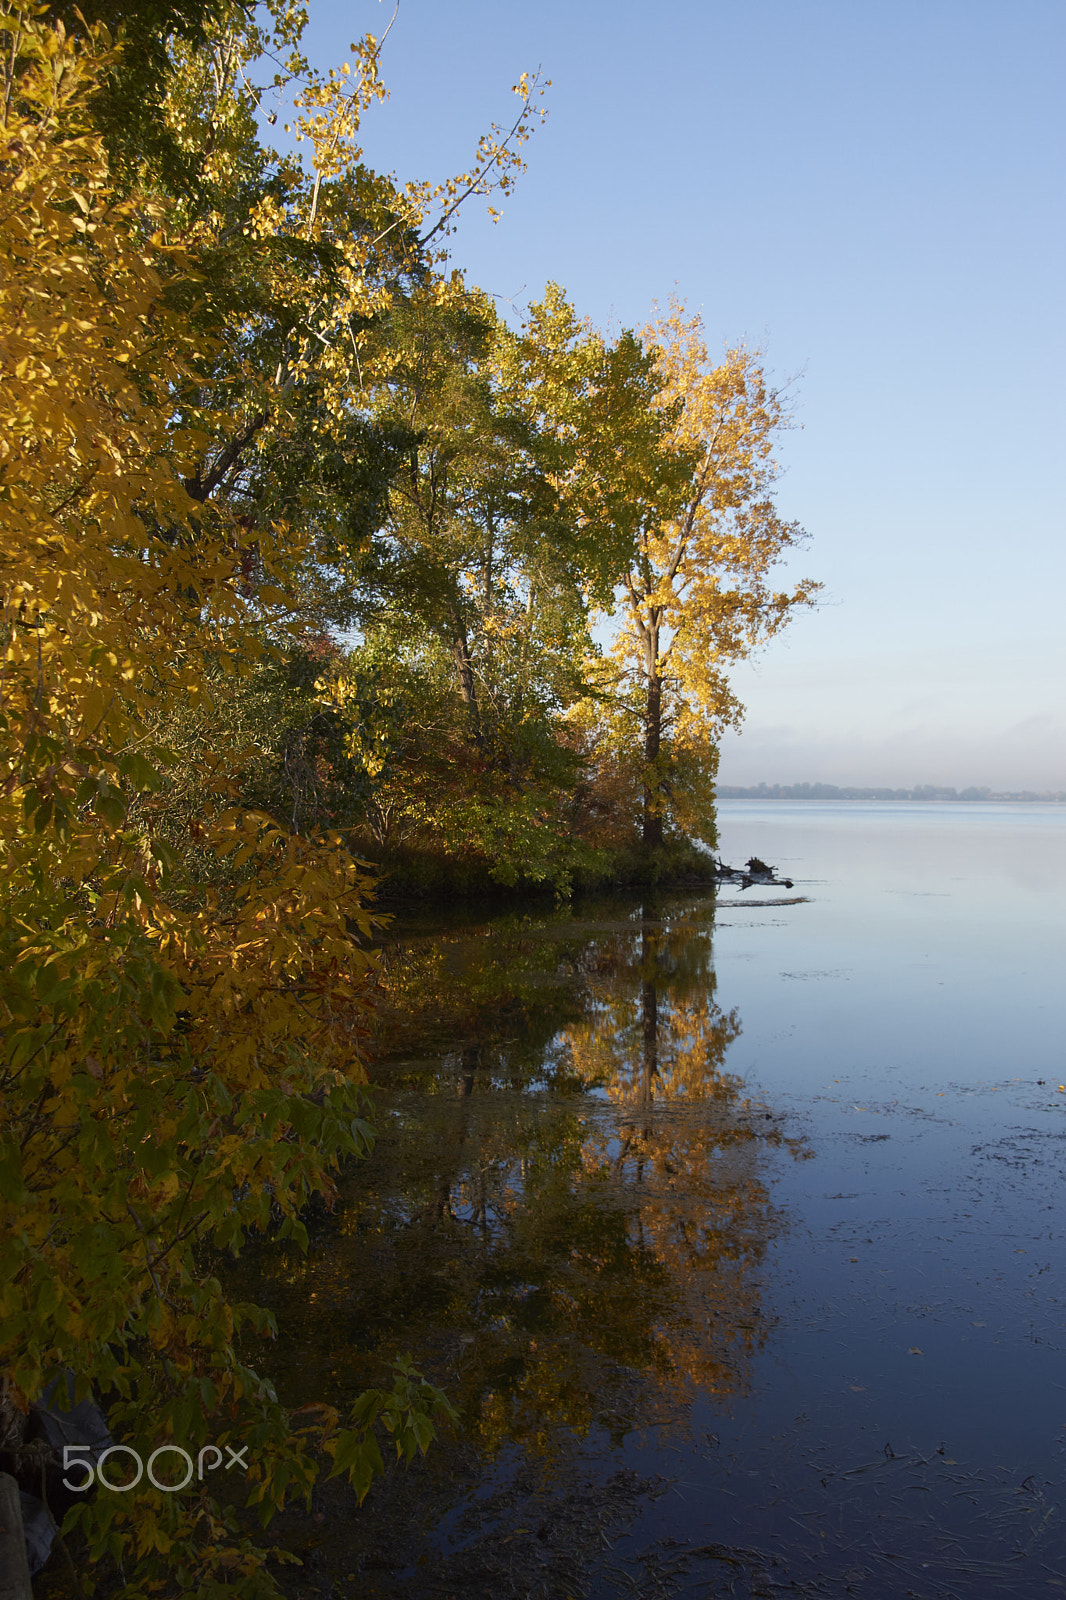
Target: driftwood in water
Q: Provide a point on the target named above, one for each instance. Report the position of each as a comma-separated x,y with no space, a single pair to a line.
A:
754,871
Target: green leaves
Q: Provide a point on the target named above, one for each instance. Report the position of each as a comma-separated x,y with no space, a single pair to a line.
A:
408,1413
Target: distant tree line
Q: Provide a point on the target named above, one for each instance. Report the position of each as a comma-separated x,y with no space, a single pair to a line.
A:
832,791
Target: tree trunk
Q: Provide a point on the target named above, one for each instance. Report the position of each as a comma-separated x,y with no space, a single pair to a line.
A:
467,687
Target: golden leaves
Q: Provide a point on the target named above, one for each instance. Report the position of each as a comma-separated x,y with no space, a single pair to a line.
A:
166,1041
697,590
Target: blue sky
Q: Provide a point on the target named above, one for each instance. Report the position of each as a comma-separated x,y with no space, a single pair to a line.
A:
873,193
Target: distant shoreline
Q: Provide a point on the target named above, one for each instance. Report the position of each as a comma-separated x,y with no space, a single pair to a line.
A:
830,791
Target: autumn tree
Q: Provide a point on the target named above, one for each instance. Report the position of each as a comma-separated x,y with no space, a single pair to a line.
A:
299,257
698,593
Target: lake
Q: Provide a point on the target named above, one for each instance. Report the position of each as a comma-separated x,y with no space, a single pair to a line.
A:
734,1228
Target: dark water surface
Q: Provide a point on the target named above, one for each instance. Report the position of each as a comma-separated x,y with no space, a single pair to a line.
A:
736,1232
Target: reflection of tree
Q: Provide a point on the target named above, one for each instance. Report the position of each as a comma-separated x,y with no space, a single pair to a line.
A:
564,1216
685,1152
496,993
653,1030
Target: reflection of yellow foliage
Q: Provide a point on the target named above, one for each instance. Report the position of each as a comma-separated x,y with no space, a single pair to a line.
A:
656,1042
642,1049
592,1254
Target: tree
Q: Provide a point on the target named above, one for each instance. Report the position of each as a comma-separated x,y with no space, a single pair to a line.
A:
697,591
510,512
309,279
180,1057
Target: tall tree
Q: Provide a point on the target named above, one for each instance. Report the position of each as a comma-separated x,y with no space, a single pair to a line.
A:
698,592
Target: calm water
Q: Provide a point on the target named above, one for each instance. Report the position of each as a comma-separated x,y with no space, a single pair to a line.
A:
736,1231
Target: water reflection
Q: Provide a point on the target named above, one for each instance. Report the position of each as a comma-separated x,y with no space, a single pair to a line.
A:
683,1145
566,1223
564,1218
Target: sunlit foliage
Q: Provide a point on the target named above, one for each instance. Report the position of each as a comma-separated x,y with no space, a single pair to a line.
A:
698,594
181,1059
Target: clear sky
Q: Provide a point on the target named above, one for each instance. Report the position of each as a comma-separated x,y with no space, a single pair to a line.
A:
871,190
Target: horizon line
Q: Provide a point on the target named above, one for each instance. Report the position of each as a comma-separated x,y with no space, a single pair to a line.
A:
834,791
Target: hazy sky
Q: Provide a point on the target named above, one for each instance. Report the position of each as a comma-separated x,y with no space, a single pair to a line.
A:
872,191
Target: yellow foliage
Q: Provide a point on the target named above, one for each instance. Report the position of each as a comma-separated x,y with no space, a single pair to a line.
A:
179,1061
698,594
